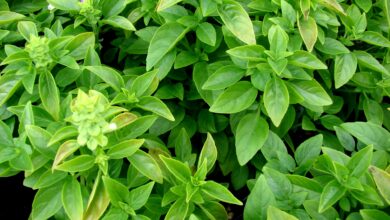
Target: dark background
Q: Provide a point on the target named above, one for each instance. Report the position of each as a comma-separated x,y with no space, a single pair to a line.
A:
15,199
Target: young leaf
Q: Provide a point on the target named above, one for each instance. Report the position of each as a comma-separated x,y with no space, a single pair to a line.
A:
155,105
251,134
359,162
164,4
259,199
125,148
146,165
47,202
308,151
224,77
66,5
344,68
332,193
164,40
312,92
49,94
139,196
382,181
206,33
234,99
116,190
72,199
77,164
237,21
178,169
178,210
219,192
27,28
306,60
79,45
276,100
369,133
119,22
65,150
308,30
108,75
208,152
274,213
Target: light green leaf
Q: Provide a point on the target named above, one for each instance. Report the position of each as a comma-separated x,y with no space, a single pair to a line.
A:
155,105
47,202
306,60
259,199
274,213
237,21
219,192
108,75
66,5
369,133
224,77
332,193
251,134
206,33
164,4
72,199
164,39
178,169
80,44
125,148
344,68
119,22
146,165
49,94
308,30
208,152
236,98
77,164
312,92
276,100
8,17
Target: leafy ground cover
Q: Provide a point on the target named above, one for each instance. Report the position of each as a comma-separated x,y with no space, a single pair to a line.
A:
197,109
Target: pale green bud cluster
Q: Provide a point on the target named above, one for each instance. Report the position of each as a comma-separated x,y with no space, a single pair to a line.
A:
88,11
39,51
88,115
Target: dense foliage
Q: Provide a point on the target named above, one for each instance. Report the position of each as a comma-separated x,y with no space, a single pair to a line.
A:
197,109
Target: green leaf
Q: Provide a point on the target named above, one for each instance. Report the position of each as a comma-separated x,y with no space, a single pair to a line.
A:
110,8
62,134
206,33
98,201
178,210
146,165
332,47
367,60
248,52
373,111
27,28
276,100
308,30
142,83
80,44
214,210
8,85
39,138
234,99
164,4
224,77
140,195
375,38
382,181
178,169
369,133
64,151
155,105
125,148
116,191
49,178
308,151
49,94
219,192
237,21
208,153
359,162
108,75
278,40
138,126
66,5
344,68
77,164
119,22
164,39
274,213
367,196
333,5
259,199
5,135
8,17
251,134
332,193
306,60
305,182
373,214
312,92
47,202
72,199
